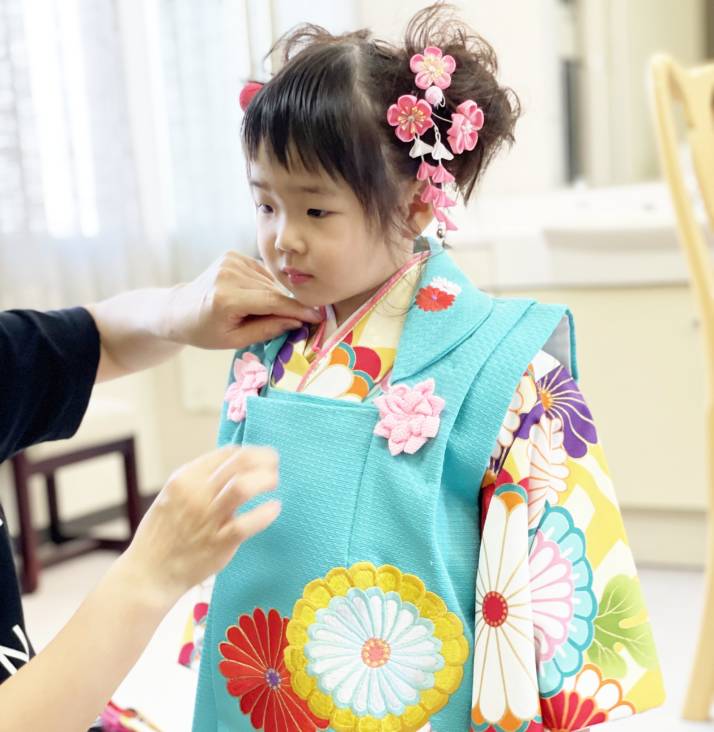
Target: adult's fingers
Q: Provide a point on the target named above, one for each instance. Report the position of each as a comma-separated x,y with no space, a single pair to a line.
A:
269,302
209,462
241,488
245,459
249,524
257,267
242,267
256,330
248,276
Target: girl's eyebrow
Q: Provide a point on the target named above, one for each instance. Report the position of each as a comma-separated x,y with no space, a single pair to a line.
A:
312,188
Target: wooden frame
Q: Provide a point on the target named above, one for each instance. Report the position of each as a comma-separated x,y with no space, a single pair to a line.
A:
693,90
24,468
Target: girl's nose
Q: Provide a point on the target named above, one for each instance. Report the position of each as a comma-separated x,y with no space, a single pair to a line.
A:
288,239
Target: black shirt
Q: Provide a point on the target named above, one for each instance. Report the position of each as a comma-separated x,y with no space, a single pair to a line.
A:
48,364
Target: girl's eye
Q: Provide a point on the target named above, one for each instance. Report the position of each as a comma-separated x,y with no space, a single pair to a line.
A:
317,213
264,208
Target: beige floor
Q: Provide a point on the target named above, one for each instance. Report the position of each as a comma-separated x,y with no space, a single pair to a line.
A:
164,691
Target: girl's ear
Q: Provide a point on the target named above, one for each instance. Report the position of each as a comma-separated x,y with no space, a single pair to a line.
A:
419,213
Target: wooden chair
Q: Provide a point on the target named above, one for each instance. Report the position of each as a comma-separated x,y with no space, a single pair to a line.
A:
73,545
693,90
108,428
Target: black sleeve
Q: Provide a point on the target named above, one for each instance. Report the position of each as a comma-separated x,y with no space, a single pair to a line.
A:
48,364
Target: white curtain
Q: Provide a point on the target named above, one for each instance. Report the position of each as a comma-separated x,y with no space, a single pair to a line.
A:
209,49
70,223
205,58
120,156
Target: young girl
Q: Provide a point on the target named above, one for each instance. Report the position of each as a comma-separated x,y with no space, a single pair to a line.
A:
450,553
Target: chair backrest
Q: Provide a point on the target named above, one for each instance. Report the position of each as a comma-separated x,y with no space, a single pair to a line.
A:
693,89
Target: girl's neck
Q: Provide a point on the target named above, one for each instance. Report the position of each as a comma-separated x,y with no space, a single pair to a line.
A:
344,309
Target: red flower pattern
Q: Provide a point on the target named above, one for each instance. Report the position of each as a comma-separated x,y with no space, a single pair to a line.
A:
256,673
587,700
432,299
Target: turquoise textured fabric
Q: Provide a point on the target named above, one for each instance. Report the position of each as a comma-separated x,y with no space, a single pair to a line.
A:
347,500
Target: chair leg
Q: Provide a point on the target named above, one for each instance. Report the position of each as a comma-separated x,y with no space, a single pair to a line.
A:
131,480
700,693
53,505
28,537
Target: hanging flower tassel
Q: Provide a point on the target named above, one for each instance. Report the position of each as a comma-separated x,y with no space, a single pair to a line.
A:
442,218
441,152
431,194
443,201
426,171
420,148
441,175
435,96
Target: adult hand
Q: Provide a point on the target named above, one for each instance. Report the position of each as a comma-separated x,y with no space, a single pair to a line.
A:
234,303
191,531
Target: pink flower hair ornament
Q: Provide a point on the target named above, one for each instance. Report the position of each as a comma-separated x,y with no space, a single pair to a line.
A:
247,93
432,68
412,117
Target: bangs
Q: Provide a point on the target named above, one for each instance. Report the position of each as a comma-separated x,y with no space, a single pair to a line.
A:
310,114
306,111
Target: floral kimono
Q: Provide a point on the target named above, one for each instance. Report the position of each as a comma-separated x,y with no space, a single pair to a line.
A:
474,575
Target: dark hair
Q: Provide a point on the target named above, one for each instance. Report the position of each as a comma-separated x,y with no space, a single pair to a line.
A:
328,106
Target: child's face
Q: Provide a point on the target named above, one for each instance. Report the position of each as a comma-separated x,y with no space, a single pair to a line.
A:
314,237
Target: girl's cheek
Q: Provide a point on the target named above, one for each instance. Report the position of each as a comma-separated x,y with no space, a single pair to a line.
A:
267,261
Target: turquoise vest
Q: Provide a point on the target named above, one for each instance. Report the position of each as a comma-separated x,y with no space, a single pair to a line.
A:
377,539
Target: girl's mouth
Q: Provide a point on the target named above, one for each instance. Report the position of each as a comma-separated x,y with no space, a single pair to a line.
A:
295,276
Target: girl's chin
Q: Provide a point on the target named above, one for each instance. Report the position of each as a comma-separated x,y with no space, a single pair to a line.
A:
309,298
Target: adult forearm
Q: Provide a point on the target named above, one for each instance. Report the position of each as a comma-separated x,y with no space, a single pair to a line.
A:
67,684
135,331
191,531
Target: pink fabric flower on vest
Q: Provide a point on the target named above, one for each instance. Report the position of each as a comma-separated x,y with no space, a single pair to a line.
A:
250,376
432,67
409,416
410,116
465,124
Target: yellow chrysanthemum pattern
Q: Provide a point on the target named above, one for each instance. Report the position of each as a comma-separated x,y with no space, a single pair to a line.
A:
338,582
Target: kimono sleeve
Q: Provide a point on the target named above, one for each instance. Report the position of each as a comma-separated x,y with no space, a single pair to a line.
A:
562,639
247,376
195,627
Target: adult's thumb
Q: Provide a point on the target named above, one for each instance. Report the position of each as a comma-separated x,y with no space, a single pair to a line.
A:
261,329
